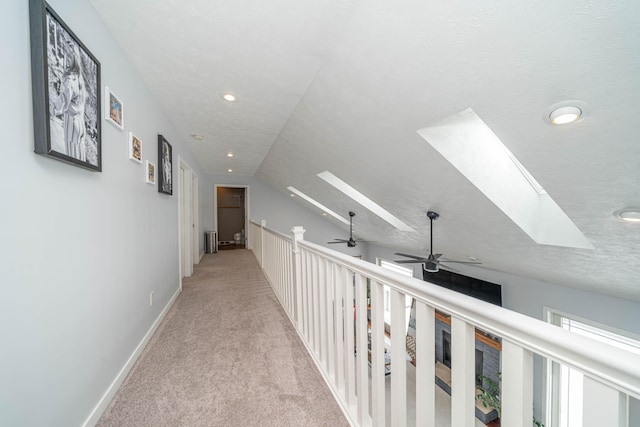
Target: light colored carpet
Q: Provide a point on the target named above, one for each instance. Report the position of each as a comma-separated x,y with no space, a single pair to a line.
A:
225,355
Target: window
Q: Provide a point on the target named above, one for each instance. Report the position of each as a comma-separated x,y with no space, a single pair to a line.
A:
565,383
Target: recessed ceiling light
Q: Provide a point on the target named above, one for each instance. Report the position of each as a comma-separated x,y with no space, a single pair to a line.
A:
197,137
565,112
317,204
229,154
229,97
229,170
364,201
628,214
564,115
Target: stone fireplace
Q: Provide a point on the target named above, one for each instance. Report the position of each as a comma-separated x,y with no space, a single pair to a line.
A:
487,351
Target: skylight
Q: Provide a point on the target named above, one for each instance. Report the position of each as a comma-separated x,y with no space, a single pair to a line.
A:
317,204
472,148
364,200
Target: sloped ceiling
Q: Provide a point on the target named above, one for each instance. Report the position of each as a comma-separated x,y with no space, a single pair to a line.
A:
344,86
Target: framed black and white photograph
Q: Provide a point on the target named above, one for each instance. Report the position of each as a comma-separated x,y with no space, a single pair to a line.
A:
135,148
66,91
151,173
165,183
114,109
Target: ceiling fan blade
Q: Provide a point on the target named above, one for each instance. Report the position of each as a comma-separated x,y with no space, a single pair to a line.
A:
445,261
436,256
339,241
409,255
411,261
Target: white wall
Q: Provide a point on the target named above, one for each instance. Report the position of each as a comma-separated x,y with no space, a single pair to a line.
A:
281,212
80,251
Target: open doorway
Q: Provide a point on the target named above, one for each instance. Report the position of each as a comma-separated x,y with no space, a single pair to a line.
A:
231,217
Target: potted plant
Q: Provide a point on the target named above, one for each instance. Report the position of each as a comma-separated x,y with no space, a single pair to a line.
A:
489,396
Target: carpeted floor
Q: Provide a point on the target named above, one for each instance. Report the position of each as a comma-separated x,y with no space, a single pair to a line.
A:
225,355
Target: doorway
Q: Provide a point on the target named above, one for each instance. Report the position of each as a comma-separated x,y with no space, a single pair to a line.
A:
231,215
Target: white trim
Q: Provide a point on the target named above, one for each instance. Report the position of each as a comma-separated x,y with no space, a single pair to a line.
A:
548,311
99,409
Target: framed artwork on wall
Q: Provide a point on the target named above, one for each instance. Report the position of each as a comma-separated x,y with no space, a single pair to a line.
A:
165,152
135,148
151,173
114,109
65,80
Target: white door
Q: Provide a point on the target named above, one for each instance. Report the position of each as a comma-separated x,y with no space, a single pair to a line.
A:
195,225
185,219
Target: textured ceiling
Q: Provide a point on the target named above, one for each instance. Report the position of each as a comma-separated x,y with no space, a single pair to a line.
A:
344,86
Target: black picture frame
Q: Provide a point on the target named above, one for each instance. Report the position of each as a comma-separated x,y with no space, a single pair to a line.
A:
65,78
165,162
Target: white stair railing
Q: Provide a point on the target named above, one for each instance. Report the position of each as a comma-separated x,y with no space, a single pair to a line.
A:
322,291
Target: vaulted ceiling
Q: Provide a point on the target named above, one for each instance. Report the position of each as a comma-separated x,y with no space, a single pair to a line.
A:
345,86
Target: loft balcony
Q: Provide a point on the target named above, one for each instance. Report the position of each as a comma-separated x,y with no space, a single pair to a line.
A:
336,304
252,369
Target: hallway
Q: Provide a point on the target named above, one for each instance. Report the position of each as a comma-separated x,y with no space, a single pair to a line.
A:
226,354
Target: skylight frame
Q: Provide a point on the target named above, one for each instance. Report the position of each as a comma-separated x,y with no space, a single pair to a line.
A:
364,201
471,147
317,204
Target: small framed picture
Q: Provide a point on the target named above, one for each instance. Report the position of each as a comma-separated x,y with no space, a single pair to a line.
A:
113,108
135,148
151,173
65,90
165,183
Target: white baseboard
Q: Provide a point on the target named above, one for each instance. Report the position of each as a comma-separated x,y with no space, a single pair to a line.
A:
201,256
95,415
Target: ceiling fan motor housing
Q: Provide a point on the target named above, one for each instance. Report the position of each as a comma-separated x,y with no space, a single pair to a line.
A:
431,267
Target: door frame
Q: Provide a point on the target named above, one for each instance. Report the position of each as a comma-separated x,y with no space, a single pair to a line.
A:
247,232
187,213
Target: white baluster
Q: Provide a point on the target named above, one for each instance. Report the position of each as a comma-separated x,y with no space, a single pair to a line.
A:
377,354
398,360
462,373
339,325
362,360
331,326
517,385
322,309
349,341
603,405
425,365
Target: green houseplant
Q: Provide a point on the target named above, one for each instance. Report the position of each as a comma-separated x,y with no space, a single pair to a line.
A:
489,396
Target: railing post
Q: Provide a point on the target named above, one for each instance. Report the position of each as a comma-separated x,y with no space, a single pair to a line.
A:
263,224
298,233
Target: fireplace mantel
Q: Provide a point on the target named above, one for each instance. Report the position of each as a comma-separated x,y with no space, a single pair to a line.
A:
480,336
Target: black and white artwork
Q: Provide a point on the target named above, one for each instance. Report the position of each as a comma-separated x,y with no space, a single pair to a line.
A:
66,91
165,183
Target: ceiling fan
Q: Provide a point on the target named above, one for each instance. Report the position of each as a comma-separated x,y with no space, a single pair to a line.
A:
351,242
431,264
